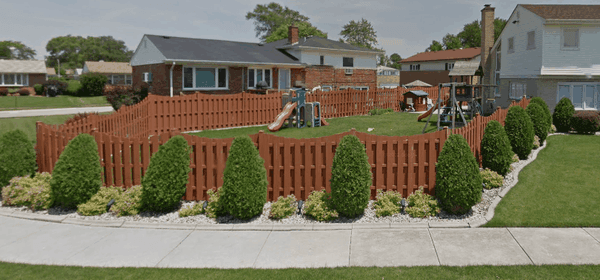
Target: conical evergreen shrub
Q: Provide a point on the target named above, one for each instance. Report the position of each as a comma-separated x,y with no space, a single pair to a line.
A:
519,129
77,175
547,113
165,181
539,119
563,113
17,156
496,152
351,177
458,184
244,190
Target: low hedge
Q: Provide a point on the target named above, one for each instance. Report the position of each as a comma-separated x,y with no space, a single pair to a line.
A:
586,122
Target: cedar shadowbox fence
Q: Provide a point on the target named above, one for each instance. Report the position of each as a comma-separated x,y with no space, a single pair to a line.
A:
294,166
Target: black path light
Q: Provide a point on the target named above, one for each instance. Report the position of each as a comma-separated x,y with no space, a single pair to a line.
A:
204,205
403,203
300,204
110,203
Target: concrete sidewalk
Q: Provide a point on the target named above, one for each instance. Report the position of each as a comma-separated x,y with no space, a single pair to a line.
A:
52,112
36,242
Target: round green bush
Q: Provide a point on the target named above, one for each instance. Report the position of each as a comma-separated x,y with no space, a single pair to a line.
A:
17,156
496,152
165,181
547,113
39,89
77,175
586,122
539,119
563,113
244,190
519,129
458,184
92,84
351,177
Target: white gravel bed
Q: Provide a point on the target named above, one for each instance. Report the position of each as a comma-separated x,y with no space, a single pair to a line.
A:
476,214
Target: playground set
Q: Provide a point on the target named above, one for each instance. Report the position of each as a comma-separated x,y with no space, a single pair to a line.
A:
296,111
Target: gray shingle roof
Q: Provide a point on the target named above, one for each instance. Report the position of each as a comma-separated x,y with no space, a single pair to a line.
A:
22,66
318,42
464,68
177,48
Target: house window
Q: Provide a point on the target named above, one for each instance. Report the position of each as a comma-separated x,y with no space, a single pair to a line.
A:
511,45
257,75
415,67
498,67
449,66
570,39
322,60
531,40
205,78
348,62
13,79
517,90
584,96
119,79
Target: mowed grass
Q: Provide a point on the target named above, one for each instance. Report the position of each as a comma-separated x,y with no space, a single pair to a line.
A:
561,188
39,102
27,124
392,124
24,271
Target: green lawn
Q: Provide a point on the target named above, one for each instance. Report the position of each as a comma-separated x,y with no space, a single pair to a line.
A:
23,271
559,189
38,102
394,124
27,124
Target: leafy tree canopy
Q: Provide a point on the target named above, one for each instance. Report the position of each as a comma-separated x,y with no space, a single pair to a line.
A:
468,37
435,46
395,61
20,52
360,33
305,29
73,51
451,42
268,18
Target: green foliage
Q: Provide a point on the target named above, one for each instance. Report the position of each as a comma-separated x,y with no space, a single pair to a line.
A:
553,129
97,204
214,208
305,29
563,114
547,113
60,85
129,202
457,180
422,205
118,96
359,33
284,207
39,89
515,158
77,174
351,177
267,18
539,119
73,51
73,88
395,61
496,152
17,156
244,190
92,84
435,46
21,52
194,210
451,42
375,112
491,179
536,142
33,193
387,203
319,206
166,178
586,122
519,129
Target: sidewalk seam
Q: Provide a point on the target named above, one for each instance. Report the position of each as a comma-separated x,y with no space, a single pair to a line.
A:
527,254
590,234
261,248
434,248
80,251
156,265
23,237
350,248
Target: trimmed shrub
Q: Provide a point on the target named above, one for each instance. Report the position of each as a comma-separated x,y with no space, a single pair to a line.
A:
547,113
3,91
97,204
563,113
129,202
61,86
73,88
491,179
586,122
457,180
244,190
24,91
422,205
166,178
387,203
92,84
284,207
496,152
319,206
118,96
193,210
77,174
351,177
519,129
214,209
17,156
39,89
33,193
539,120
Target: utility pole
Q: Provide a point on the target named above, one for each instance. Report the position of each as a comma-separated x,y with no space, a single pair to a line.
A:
58,67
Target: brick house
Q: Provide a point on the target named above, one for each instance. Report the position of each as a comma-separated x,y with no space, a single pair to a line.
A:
22,73
388,77
174,65
118,73
434,67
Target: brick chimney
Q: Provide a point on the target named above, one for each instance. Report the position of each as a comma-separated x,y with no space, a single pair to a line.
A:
487,33
293,34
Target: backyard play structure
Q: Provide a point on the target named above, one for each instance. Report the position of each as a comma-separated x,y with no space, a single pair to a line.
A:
297,110
127,139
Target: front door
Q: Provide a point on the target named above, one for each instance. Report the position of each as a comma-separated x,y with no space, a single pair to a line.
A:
284,78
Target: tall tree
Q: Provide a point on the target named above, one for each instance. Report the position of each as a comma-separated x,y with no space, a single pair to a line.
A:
21,51
360,33
435,46
499,25
395,61
73,51
451,42
267,18
470,36
383,60
305,29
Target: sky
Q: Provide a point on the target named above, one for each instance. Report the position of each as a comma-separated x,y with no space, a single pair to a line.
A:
403,27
